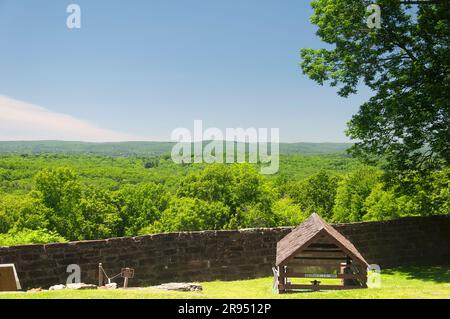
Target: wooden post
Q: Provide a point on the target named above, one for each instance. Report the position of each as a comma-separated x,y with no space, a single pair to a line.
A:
281,279
100,275
347,270
363,277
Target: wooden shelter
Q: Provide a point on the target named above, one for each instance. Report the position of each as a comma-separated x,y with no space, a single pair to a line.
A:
316,250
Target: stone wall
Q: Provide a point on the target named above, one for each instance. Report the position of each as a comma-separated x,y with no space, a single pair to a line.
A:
225,255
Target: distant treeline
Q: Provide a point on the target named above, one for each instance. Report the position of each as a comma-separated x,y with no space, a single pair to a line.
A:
144,148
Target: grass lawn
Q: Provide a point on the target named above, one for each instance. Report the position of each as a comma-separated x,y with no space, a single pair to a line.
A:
411,282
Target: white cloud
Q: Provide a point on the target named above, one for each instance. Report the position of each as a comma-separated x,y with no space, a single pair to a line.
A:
24,121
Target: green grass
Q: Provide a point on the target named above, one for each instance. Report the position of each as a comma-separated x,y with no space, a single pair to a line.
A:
399,283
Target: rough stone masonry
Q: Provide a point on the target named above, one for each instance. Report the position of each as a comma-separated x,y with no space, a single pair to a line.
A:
221,255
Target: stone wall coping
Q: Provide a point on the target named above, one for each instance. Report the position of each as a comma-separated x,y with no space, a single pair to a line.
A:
214,232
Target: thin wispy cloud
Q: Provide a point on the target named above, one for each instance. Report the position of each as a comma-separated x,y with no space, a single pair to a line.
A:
24,121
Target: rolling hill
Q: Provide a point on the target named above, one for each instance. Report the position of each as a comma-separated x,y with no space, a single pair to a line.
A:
143,148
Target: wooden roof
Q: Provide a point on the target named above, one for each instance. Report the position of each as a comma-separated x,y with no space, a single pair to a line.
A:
305,234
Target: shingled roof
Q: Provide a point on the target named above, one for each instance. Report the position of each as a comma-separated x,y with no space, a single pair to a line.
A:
302,236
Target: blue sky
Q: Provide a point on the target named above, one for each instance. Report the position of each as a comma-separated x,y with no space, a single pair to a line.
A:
140,69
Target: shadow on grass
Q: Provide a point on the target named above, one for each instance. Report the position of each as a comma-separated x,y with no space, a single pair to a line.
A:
437,274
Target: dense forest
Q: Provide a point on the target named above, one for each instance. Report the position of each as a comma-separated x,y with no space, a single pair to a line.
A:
54,196
144,148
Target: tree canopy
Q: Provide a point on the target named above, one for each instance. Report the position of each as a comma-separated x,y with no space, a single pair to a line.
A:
405,125
64,205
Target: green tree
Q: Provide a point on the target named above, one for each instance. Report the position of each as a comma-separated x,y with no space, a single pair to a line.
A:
30,236
288,213
214,183
97,215
59,190
381,204
254,215
236,186
317,194
19,212
189,214
352,192
406,63
141,205
426,195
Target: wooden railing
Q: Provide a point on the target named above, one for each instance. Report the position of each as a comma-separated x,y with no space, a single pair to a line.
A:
293,274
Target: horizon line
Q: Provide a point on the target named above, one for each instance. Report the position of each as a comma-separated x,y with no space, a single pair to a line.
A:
156,141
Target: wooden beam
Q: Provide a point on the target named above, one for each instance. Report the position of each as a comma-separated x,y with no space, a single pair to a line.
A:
321,287
323,246
318,258
315,263
321,253
322,250
293,274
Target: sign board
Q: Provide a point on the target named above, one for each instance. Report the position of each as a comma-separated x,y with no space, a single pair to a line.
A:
127,273
9,281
